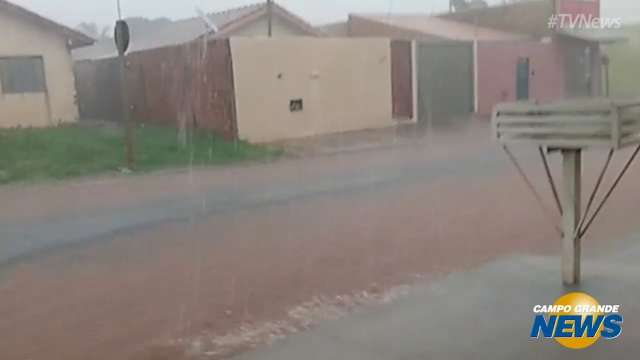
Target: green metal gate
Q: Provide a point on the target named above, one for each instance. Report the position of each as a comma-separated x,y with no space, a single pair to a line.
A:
445,81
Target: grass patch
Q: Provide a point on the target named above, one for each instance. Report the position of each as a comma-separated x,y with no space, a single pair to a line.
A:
33,154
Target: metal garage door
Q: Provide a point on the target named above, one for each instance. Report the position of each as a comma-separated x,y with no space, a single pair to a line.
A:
445,81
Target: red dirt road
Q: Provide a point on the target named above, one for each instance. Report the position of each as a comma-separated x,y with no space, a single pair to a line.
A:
117,299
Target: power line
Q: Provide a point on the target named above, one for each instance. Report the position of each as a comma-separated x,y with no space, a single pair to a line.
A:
119,10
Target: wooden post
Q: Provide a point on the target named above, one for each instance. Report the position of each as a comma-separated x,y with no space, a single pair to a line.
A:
270,18
126,115
122,39
572,177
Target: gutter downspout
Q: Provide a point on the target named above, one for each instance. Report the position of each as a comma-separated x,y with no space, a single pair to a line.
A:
414,80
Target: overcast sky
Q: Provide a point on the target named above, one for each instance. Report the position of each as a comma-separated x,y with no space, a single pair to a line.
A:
73,12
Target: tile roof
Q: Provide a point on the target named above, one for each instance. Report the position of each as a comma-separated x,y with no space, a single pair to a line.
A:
149,34
443,28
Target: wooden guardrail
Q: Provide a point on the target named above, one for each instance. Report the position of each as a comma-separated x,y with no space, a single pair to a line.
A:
571,124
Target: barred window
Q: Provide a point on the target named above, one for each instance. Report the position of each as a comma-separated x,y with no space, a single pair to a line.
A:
22,75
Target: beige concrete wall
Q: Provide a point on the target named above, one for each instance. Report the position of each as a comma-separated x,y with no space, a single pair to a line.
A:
21,38
279,28
345,85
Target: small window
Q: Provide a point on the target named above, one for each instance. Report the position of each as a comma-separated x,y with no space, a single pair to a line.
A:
22,75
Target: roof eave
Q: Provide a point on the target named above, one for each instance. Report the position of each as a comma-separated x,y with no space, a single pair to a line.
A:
601,36
75,39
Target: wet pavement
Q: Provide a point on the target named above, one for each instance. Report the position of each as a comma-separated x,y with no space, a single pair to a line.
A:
485,313
181,200
117,266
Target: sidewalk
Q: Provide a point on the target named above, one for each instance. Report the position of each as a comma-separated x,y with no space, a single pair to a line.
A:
456,138
354,141
484,314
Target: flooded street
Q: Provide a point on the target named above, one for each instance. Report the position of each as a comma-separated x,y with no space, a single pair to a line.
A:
244,245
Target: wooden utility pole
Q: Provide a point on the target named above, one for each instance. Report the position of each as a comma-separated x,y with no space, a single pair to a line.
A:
126,116
572,177
270,18
122,40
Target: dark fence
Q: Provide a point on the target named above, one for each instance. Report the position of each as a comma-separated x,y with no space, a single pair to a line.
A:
402,79
98,88
188,85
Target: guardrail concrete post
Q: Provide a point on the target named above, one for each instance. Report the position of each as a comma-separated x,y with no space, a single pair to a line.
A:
572,177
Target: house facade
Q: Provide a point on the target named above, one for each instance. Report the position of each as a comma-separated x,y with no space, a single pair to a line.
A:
561,63
470,60
37,86
300,87
306,87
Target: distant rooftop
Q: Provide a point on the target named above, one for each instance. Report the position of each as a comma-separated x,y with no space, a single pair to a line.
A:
444,28
150,34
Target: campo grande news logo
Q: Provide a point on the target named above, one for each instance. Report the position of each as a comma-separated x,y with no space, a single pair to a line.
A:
576,321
